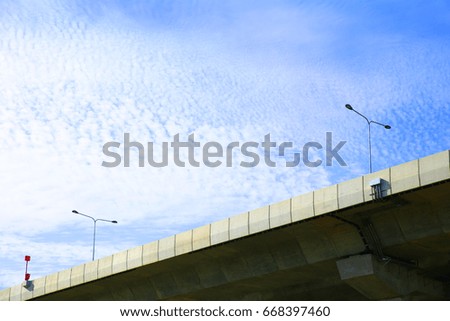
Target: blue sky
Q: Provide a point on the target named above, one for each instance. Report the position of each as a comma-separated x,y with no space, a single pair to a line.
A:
77,74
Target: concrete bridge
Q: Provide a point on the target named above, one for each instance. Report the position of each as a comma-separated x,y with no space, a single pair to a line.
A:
385,235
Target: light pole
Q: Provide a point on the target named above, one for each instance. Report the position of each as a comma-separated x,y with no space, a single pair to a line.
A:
348,106
95,228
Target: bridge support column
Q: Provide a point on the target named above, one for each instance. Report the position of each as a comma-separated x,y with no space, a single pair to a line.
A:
382,280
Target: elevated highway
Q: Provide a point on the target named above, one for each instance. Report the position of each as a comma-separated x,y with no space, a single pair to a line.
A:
382,236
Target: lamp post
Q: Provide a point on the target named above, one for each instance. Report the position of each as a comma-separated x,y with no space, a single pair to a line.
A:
348,106
95,228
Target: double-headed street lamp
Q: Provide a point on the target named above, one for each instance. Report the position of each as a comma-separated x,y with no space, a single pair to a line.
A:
348,106
95,228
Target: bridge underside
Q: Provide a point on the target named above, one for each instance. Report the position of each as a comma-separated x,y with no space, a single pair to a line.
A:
394,248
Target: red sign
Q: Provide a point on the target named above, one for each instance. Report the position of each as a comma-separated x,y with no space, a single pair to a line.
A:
27,275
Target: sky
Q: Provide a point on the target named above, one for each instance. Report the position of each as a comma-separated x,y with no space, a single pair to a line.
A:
76,75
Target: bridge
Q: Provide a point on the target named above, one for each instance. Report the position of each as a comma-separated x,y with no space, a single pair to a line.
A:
381,236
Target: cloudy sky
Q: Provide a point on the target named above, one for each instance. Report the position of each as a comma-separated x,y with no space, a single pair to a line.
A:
75,75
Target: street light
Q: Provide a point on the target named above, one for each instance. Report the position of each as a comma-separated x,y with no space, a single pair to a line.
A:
348,106
95,227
